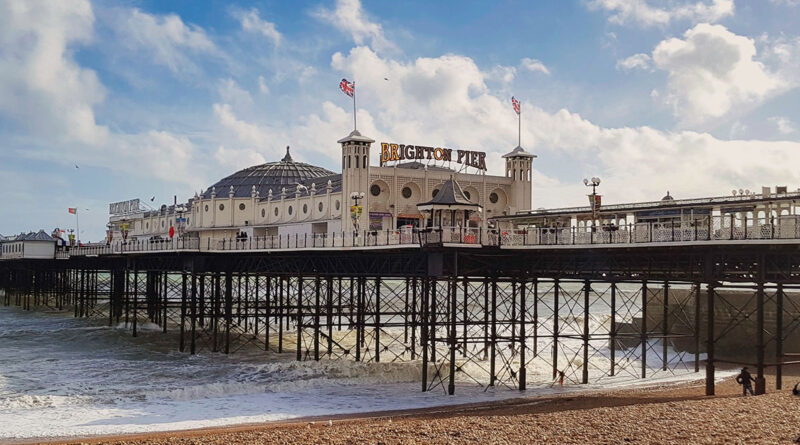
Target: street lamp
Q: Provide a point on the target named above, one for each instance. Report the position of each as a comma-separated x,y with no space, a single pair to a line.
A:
355,210
593,198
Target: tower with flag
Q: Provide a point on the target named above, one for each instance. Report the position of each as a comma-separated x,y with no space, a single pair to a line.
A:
519,165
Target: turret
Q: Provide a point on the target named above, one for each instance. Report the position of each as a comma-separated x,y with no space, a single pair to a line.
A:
355,175
519,166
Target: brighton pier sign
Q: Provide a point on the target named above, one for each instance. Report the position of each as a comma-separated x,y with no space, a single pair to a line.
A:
400,152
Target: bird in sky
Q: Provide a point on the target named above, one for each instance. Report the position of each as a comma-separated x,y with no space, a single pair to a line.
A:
152,199
76,166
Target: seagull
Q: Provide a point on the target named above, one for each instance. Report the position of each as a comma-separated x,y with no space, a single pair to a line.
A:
76,166
385,78
152,199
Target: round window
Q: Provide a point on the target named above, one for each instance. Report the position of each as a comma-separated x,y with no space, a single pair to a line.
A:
406,192
435,192
493,198
467,195
375,190
263,213
276,211
305,208
290,210
337,205
222,206
206,207
319,207
241,206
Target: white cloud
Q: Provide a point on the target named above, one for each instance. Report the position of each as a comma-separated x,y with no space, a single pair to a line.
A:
237,159
262,85
534,65
711,70
165,38
642,13
348,17
504,74
785,126
786,2
251,22
637,61
230,92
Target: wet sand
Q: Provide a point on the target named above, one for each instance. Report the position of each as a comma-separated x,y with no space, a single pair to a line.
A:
666,414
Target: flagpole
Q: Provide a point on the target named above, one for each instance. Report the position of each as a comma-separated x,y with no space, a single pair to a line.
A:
355,126
519,126
78,227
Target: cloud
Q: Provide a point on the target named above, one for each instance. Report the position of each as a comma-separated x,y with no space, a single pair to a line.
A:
786,2
237,159
251,22
348,17
262,85
785,126
504,74
164,38
637,61
643,14
712,70
231,92
534,65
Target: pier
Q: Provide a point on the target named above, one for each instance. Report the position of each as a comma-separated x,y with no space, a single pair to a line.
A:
502,309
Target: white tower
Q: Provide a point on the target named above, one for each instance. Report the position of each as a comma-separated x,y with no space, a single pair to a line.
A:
519,165
355,176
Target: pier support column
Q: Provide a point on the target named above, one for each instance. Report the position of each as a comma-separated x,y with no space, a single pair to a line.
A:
761,386
710,340
522,337
779,338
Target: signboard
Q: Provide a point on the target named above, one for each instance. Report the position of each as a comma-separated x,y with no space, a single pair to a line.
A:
124,207
594,202
400,152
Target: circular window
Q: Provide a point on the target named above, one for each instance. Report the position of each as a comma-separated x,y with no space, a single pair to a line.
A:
276,211
290,210
222,206
320,207
337,205
263,213
241,206
206,207
406,192
435,192
493,198
375,190
466,193
305,209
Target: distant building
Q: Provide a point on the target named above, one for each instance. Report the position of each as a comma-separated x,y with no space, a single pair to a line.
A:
32,245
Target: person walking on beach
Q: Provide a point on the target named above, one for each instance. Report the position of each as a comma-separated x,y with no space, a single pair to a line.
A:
744,378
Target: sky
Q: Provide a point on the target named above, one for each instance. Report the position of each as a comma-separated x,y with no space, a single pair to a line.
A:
104,101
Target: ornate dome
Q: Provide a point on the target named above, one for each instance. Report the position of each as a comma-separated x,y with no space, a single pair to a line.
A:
668,197
265,177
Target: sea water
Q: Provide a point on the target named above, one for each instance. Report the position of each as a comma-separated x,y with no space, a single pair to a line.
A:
65,376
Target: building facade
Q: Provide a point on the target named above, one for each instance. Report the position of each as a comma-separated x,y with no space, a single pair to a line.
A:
287,198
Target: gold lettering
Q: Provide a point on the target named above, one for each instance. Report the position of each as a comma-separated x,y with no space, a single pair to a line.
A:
447,154
395,156
384,153
437,154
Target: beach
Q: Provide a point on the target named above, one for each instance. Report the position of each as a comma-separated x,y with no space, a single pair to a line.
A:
661,414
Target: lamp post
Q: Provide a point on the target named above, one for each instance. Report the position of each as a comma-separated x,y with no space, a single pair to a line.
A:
355,210
593,183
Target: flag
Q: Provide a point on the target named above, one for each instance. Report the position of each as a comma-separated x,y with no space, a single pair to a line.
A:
73,210
515,104
348,88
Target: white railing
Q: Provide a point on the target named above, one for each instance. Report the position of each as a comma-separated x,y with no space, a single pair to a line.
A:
132,246
373,238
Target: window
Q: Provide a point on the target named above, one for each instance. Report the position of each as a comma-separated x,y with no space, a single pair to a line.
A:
276,211
206,207
222,207
356,161
406,192
364,163
162,224
375,190
290,210
263,213
147,225
348,162
320,207
337,205
305,209
435,192
493,198
466,193
241,206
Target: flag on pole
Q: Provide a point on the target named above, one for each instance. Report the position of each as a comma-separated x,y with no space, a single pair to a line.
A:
348,88
73,210
515,104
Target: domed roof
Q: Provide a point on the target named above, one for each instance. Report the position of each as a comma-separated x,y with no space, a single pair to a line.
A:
668,197
265,177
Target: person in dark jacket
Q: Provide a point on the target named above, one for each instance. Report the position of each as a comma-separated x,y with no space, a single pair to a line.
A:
744,378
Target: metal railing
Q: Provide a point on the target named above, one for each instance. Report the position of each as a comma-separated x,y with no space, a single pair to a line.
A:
370,238
716,228
154,245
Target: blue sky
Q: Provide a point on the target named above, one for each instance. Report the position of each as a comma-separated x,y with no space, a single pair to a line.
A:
156,99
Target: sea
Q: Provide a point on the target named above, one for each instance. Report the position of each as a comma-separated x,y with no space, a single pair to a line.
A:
62,376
